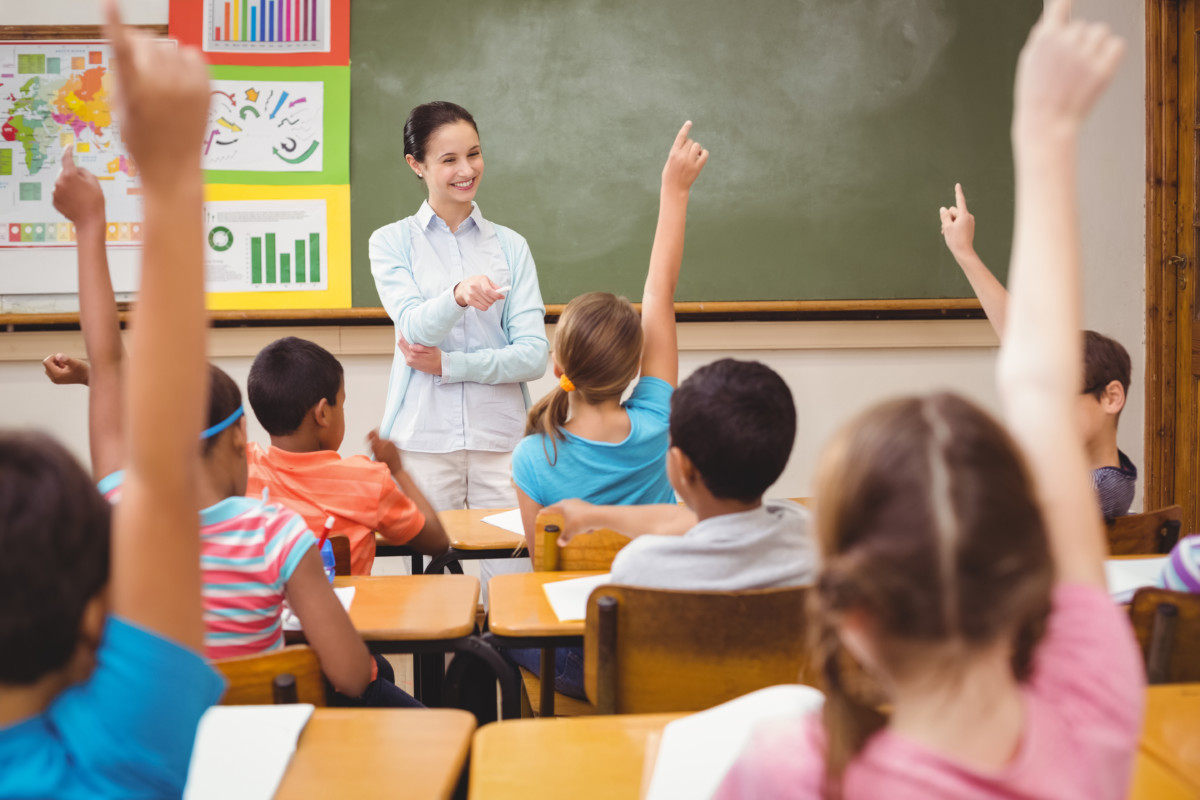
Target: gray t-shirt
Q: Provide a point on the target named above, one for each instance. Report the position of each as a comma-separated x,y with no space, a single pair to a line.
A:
768,547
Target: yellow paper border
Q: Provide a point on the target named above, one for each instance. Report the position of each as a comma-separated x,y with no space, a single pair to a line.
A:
337,261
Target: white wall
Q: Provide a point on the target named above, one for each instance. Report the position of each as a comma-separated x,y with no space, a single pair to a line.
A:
833,371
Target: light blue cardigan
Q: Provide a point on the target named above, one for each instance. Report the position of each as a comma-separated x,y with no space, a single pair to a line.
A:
428,322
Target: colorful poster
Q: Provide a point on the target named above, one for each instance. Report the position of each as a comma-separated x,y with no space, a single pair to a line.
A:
54,95
279,126
280,247
279,33
265,245
266,126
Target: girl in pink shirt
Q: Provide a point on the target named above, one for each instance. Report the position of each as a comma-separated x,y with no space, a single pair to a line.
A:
963,564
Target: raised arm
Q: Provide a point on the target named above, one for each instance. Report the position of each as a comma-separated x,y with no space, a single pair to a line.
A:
163,103
958,229
77,197
1062,70
660,349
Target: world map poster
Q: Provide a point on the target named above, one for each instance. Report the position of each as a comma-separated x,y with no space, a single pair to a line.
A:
55,95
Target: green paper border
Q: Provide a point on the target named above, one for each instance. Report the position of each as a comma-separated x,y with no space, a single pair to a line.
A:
336,123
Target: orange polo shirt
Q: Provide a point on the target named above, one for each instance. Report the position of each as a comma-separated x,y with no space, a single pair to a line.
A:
357,492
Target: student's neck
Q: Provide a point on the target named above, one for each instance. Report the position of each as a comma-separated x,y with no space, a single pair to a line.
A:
453,214
600,422
22,702
1102,451
707,507
944,714
213,485
303,440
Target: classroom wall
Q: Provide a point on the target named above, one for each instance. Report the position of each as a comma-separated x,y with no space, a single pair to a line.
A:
834,369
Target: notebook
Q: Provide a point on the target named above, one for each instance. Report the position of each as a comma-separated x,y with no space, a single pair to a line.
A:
242,752
344,593
569,598
1126,575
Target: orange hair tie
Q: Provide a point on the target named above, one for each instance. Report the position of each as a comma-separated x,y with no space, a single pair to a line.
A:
566,384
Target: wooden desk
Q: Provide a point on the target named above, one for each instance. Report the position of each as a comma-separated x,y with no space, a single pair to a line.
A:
519,615
1172,730
379,753
472,538
577,757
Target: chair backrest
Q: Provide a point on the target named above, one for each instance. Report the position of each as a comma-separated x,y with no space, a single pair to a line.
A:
290,675
341,554
1167,625
658,650
595,550
1149,533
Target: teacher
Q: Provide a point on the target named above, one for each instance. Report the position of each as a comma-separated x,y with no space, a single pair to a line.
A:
470,323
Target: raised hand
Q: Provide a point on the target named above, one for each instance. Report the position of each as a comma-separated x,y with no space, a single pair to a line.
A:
685,161
477,291
421,357
63,370
162,101
958,225
77,194
1063,68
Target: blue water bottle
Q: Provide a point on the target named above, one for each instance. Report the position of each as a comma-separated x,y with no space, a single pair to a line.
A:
327,550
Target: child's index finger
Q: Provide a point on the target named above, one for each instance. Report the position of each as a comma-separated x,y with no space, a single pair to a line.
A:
1058,12
682,136
115,32
960,198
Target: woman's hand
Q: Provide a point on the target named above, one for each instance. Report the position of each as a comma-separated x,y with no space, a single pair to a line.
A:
420,357
477,291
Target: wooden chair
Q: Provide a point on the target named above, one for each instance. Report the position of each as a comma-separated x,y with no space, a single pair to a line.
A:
341,555
290,675
1167,625
1149,533
655,650
587,551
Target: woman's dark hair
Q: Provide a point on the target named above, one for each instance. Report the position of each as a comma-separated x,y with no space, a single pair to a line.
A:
54,551
425,119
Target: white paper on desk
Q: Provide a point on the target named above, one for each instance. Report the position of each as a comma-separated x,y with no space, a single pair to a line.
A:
344,593
696,752
507,520
1126,575
242,752
569,598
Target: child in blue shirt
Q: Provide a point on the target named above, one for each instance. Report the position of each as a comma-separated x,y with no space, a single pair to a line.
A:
582,441
102,684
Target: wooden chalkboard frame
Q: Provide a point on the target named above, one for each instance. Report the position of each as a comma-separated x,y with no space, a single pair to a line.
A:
932,308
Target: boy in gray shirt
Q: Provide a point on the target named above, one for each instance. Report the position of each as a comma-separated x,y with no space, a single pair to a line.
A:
732,428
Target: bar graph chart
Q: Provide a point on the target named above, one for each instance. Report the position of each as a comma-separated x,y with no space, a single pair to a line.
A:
266,26
261,245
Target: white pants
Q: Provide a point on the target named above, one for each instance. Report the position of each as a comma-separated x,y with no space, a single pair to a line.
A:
468,479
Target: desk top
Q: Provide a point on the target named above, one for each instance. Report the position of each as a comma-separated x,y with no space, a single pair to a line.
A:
400,608
378,753
468,531
518,607
1172,729
580,757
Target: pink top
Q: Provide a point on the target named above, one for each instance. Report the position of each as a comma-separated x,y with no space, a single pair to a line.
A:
1083,718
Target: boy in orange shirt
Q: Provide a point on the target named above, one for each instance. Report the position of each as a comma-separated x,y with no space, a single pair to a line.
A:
298,394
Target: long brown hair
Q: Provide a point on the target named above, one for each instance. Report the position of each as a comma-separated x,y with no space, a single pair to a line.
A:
929,525
598,346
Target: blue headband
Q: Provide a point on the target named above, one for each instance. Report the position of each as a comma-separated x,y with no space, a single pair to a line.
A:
208,433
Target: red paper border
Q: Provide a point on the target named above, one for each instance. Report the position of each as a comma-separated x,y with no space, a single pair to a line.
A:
186,21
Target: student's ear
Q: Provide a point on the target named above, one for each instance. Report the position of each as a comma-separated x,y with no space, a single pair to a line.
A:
238,437
558,373
321,413
1113,399
856,629
417,169
680,468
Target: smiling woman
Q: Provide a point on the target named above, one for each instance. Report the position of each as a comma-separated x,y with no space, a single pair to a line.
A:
463,294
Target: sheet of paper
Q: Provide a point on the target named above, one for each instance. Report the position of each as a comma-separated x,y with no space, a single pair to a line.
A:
508,520
242,752
569,598
344,593
696,752
1126,575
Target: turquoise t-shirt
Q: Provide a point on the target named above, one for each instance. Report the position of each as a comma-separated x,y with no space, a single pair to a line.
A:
626,473
127,731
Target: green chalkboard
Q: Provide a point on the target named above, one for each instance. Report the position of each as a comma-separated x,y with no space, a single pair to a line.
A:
836,129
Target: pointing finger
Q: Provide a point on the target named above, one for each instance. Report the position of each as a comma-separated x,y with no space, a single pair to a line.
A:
960,198
682,136
1057,12
116,32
